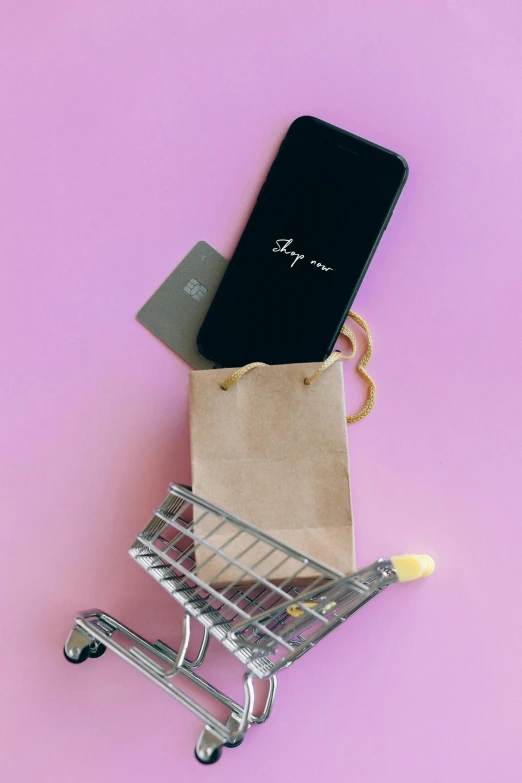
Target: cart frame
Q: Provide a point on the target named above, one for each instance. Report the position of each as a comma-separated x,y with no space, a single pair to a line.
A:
265,622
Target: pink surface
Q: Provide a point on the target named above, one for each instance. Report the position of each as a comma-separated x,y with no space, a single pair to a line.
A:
129,131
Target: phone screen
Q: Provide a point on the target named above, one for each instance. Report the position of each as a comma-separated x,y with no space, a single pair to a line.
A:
305,249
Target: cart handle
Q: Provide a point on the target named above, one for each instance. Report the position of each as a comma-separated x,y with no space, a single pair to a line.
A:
411,567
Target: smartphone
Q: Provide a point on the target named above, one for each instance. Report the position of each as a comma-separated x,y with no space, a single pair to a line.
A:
315,226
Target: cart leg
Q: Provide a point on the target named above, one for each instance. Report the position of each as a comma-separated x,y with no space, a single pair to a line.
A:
269,703
94,632
234,723
79,646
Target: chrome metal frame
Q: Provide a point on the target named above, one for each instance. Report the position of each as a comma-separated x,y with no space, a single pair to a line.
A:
265,622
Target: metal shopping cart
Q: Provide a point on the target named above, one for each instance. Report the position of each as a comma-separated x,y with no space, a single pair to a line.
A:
265,622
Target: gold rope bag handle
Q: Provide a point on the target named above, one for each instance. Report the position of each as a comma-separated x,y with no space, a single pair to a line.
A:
334,357
361,367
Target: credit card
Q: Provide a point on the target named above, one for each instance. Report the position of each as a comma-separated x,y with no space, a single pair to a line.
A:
176,311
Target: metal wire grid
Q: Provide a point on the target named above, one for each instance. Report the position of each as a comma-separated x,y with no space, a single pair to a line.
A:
251,620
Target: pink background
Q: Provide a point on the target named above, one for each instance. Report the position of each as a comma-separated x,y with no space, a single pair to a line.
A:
129,130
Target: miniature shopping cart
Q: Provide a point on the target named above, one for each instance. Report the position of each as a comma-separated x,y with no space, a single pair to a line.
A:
264,621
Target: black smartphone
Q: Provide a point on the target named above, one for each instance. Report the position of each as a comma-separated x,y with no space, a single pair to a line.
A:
306,247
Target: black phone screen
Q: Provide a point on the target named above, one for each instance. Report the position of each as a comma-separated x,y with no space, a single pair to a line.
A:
305,249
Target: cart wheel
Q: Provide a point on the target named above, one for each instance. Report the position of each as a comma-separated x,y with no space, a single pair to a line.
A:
214,756
234,744
96,652
84,654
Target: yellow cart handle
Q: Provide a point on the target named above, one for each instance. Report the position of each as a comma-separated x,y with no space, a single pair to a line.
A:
410,567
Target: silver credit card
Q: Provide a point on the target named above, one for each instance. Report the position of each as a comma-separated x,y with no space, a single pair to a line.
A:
175,312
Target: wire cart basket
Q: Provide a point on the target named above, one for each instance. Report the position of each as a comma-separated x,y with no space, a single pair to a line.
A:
265,622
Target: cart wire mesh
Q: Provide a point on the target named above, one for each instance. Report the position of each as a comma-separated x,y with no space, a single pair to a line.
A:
226,573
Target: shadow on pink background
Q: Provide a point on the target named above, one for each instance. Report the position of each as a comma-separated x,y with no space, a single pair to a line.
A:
130,130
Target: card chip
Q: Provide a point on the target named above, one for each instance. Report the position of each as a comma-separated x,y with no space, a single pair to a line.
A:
195,289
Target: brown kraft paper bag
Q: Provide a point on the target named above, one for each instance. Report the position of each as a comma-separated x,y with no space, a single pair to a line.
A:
273,451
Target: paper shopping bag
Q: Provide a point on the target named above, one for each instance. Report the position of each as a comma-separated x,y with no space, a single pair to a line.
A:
273,451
